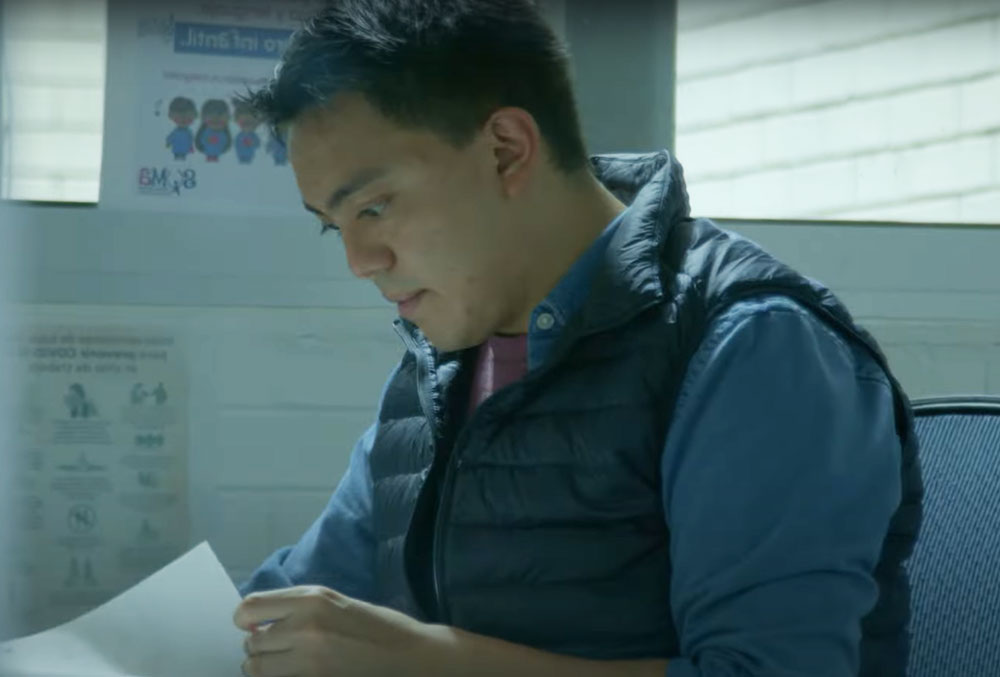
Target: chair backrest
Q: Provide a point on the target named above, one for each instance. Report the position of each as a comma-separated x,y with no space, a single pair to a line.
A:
955,567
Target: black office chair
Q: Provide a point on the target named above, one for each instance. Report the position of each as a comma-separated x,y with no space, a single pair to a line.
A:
955,567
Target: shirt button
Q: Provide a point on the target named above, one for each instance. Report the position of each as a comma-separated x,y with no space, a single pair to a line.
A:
545,321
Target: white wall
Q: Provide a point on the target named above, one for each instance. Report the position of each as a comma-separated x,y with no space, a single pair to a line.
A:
930,295
848,109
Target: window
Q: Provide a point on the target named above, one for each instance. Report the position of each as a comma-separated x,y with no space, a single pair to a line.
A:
873,110
52,99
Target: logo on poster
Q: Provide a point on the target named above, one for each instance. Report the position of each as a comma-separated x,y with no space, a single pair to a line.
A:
165,181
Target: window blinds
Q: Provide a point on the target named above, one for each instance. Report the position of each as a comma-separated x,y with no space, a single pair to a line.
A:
52,70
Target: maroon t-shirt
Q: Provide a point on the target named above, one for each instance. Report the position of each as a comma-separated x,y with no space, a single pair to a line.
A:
502,360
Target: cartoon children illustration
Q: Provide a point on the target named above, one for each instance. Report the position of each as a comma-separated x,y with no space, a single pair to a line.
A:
277,149
247,141
182,112
213,137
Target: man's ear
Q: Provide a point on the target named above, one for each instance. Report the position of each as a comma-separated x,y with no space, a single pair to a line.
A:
516,141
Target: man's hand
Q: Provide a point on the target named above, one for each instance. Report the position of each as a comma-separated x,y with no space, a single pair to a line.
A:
312,631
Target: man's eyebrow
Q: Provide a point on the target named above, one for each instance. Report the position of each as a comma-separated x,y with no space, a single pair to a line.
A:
353,185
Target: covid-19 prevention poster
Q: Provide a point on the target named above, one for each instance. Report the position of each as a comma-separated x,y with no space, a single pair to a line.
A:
177,137
99,450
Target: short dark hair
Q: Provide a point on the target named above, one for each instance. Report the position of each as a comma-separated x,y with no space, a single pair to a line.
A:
442,65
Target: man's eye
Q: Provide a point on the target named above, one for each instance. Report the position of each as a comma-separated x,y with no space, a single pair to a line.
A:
374,211
325,228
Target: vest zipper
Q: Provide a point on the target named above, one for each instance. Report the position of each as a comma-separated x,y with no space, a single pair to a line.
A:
420,356
453,463
423,365
437,550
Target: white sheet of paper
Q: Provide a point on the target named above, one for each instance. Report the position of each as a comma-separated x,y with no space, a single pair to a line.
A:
176,622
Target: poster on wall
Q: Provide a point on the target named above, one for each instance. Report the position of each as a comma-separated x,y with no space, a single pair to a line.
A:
100,446
195,146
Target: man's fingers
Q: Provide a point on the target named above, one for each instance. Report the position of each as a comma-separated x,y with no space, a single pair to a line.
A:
275,605
271,665
266,607
270,639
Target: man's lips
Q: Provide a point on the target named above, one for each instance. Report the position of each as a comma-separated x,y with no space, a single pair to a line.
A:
402,298
406,304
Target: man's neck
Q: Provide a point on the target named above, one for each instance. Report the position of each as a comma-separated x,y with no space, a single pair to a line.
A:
574,214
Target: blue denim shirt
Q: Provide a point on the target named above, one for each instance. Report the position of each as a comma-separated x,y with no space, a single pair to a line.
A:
780,473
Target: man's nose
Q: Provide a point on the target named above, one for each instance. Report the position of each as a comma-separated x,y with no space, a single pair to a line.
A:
366,256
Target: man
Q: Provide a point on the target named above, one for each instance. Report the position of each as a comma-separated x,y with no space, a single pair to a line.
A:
621,441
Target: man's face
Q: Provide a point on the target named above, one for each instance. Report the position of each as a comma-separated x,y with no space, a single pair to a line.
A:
421,219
